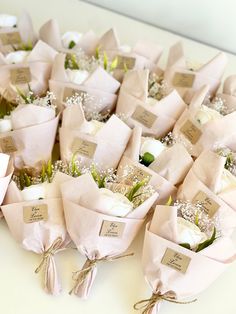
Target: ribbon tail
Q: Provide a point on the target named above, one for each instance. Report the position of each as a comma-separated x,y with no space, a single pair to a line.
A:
51,281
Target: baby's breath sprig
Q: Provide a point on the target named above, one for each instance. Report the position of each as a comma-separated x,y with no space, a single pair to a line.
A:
157,87
230,163
169,139
218,104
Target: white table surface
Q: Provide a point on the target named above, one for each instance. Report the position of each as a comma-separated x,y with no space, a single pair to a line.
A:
119,284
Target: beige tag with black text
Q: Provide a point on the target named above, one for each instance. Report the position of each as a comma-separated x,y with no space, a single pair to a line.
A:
20,76
183,79
8,145
176,260
69,92
136,174
11,38
191,132
35,213
125,62
84,147
209,205
144,116
112,229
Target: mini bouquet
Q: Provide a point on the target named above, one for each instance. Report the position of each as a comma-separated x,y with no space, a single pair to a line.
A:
186,79
206,124
92,141
184,252
214,175
147,102
6,171
16,33
163,162
28,131
71,76
103,220
35,70
33,210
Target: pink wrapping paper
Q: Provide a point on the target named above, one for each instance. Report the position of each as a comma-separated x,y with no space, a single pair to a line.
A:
208,74
6,171
217,132
205,266
100,85
24,27
110,144
84,226
228,94
39,63
134,93
39,236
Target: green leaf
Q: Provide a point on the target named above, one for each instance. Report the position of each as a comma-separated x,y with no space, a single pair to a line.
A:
131,194
197,219
72,44
105,61
27,180
114,64
22,180
43,173
208,242
125,68
147,159
74,169
49,170
22,95
97,177
169,201
185,245
97,52
75,65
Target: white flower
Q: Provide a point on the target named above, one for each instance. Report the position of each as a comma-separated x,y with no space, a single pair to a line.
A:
109,203
5,124
125,48
152,146
19,56
206,114
228,181
68,37
77,76
189,233
33,192
151,101
7,20
92,127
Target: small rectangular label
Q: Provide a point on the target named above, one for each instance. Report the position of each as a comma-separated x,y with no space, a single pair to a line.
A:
35,213
84,147
191,132
11,38
144,116
112,229
69,92
176,260
20,76
209,205
8,145
125,62
183,79
120,188
136,174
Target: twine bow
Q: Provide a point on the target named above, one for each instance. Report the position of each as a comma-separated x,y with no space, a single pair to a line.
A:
80,276
148,304
56,245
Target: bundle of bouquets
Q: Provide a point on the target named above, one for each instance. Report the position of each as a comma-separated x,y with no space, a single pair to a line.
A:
184,252
28,131
92,140
16,33
146,101
187,79
163,162
103,218
6,171
33,210
206,124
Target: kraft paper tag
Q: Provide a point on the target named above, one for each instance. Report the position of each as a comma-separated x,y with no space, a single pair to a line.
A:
191,132
125,62
176,260
69,92
20,76
112,229
8,145
136,174
11,38
209,205
35,213
84,147
120,188
144,116
183,79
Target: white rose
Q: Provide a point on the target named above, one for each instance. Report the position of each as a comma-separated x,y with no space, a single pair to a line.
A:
152,146
228,181
108,203
7,20
189,233
17,56
206,114
77,76
5,124
92,127
33,192
68,37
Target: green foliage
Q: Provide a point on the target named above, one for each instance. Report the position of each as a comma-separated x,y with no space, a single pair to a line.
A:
147,159
185,245
100,180
74,168
132,194
208,242
169,201
72,44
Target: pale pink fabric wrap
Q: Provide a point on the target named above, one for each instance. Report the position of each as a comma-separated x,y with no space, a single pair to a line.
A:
6,171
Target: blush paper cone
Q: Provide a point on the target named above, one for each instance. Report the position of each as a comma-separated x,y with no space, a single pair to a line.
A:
6,171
